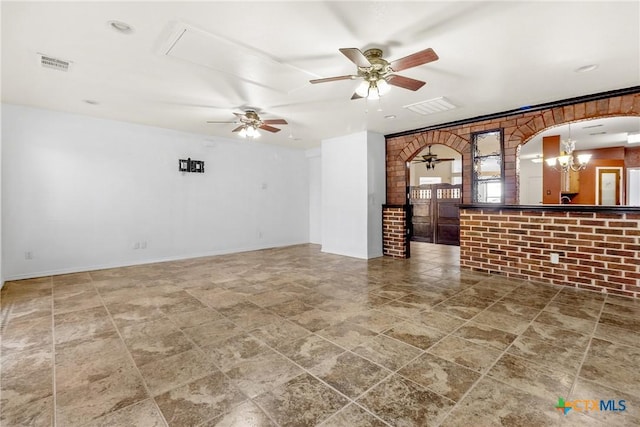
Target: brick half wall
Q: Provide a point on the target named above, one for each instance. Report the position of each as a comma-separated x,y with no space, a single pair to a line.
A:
394,225
599,251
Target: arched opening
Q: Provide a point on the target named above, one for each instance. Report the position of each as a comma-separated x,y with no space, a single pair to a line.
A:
611,177
435,191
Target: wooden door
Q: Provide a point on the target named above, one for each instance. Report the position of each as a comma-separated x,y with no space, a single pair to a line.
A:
435,214
609,180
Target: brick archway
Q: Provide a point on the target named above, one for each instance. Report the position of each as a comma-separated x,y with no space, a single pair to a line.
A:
518,128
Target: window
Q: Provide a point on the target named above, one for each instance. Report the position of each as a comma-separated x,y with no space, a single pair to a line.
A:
488,167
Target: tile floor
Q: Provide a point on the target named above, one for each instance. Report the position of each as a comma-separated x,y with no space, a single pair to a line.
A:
296,337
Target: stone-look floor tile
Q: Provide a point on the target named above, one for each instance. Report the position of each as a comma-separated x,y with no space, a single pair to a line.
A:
579,298
573,310
262,373
607,363
107,285
488,293
199,401
154,340
25,377
290,308
310,350
419,336
577,324
556,336
401,402
25,308
350,374
346,334
585,389
463,306
387,352
622,301
269,298
485,335
232,351
490,403
253,317
393,291
219,299
374,320
245,415
620,321
62,280
77,326
279,333
28,334
212,332
445,378
353,415
523,297
166,374
300,402
401,309
125,314
184,303
316,319
38,413
189,319
143,413
81,404
622,310
531,378
424,299
81,299
90,361
439,321
617,335
543,353
466,353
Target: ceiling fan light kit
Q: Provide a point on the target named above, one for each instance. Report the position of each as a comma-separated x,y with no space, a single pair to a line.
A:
378,74
250,122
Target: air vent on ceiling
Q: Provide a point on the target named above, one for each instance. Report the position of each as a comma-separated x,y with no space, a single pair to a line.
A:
431,106
54,63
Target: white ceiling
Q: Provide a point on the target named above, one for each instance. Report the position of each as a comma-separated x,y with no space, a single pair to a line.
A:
494,56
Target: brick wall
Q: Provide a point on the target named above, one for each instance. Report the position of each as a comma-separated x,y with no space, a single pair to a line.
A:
518,129
599,251
393,231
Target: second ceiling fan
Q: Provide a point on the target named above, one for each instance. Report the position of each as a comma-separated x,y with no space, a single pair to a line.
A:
250,122
378,73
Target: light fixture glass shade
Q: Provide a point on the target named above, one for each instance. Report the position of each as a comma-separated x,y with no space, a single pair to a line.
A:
551,161
363,89
583,159
373,92
243,132
256,134
564,160
383,87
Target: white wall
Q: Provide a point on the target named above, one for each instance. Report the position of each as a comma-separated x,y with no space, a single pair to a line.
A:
78,192
353,192
314,159
530,182
376,191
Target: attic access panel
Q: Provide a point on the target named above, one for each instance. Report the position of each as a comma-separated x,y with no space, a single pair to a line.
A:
251,65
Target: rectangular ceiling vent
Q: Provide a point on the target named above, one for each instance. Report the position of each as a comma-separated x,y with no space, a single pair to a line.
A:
54,63
431,106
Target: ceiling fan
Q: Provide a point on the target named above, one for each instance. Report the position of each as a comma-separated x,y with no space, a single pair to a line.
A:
431,160
377,73
250,122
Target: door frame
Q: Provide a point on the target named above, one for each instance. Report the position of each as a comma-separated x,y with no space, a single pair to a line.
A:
620,170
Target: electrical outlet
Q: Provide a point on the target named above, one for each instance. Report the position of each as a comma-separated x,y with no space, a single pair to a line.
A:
28,255
136,245
555,258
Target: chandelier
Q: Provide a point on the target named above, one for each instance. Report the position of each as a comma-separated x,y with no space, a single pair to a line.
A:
567,159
